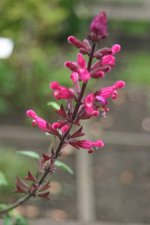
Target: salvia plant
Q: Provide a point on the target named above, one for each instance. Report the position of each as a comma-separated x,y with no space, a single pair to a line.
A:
77,106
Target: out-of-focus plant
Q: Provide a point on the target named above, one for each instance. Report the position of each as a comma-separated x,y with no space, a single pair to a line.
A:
35,28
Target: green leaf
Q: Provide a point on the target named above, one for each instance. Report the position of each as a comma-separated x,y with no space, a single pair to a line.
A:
20,220
31,154
63,166
3,180
55,105
8,220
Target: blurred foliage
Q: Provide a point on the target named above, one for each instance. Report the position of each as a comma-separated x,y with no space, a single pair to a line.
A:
119,2
130,28
11,168
136,69
37,30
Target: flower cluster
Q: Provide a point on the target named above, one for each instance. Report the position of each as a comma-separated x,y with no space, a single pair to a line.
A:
78,106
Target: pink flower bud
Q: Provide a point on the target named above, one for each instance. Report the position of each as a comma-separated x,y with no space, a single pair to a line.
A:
54,85
116,48
72,66
56,125
75,42
30,113
99,74
98,25
65,128
81,61
108,60
120,84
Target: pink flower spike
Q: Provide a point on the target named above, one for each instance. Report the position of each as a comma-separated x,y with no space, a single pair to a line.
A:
116,48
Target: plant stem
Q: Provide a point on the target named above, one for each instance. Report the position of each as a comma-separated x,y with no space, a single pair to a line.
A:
60,145
16,204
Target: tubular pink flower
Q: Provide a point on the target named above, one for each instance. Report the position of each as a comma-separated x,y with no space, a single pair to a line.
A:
80,67
61,92
37,121
110,91
40,123
87,144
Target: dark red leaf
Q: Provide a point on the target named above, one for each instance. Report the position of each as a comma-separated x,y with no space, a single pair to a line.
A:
78,133
62,111
30,177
